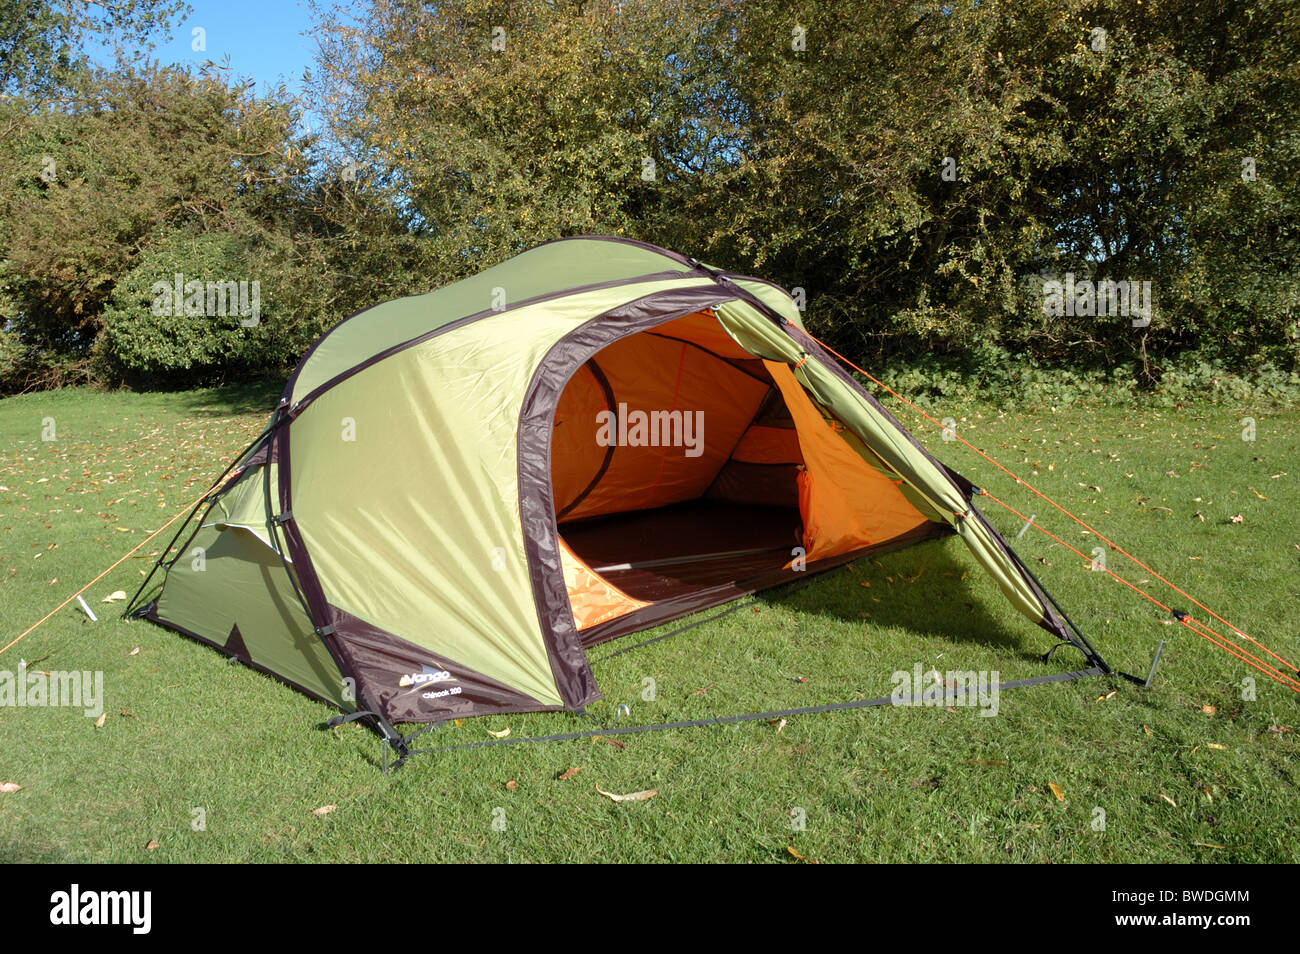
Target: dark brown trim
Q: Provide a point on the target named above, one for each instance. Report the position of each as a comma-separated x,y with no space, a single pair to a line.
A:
536,493
382,658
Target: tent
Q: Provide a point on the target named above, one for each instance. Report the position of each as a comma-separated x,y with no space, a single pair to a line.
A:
461,492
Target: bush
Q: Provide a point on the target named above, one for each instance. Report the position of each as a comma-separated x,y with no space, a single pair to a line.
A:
214,322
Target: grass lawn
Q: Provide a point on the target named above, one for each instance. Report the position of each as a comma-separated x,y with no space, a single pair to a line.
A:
1186,771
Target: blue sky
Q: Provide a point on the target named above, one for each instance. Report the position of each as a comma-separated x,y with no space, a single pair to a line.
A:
268,41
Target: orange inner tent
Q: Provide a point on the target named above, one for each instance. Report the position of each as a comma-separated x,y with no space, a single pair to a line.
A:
683,466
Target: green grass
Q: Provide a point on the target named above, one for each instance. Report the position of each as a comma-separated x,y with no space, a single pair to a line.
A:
888,784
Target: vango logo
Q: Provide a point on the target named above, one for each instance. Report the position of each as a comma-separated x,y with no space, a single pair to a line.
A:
75,907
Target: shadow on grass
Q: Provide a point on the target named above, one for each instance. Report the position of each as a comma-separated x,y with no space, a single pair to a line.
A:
935,604
249,397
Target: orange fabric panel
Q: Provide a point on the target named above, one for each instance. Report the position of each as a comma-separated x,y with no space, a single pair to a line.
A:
768,445
577,457
845,502
678,411
704,329
593,598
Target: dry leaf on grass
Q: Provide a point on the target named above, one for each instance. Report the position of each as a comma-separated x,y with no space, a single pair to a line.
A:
504,733
1209,710
1168,799
633,797
10,787
1057,791
1215,745
324,809
134,652
114,596
153,843
1147,730
512,785
568,773
811,861
99,723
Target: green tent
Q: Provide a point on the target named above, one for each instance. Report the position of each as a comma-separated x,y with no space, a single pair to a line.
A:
461,492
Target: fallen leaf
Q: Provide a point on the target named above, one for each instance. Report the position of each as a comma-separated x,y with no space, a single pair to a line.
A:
1237,518
99,723
457,723
324,809
634,797
614,742
134,652
499,735
1206,844
512,785
1057,791
1215,745
153,843
1147,730
790,848
1279,729
10,787
1209,710
1168,799
568,773
114,596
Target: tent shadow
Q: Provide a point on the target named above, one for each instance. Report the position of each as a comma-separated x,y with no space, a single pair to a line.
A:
935,604
253,397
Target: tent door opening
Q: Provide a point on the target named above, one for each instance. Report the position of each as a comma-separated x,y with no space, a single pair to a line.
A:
687,472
